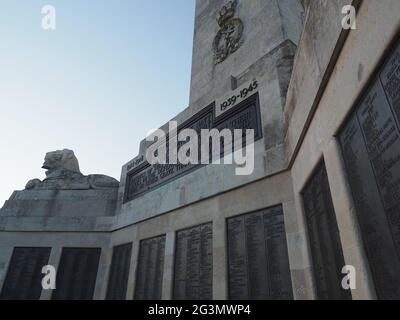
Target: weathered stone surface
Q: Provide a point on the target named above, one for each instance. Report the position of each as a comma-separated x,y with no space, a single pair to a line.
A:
266,24
65,192
229,38
272,73
63,174
313,113
318,107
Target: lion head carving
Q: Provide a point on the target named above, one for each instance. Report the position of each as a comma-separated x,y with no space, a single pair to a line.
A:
63,173
61,160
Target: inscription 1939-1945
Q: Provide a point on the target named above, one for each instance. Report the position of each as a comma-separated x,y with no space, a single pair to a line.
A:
371,149
146,177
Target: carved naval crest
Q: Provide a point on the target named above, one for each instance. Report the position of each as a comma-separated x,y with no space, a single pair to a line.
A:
229,37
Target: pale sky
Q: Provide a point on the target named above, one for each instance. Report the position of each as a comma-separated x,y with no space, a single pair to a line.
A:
110,72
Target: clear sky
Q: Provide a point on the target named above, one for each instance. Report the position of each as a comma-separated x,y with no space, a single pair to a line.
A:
110,72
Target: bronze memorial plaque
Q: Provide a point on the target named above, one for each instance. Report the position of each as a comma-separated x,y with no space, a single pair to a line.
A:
258,261
119,272
150,270
24,276
77,273
326,248
146,177
193,264
371,150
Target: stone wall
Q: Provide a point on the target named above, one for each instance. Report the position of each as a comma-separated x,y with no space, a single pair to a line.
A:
267,23
330,74
331,69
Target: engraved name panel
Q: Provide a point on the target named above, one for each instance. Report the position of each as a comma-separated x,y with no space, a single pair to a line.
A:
326,248
119,272
193,264
24,276
76,274
258,261
371,150
150,269
146,177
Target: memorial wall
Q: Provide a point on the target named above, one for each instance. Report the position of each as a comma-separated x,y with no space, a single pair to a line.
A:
150,269
24,279
326,248
244,116
324,192
258,259
77,274
119,272
193,264
371,149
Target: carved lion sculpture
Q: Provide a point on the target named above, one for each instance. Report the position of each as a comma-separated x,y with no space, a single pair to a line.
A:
63,173
60,160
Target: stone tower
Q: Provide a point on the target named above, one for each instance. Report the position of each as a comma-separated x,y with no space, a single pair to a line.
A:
268,25
241,49
323,192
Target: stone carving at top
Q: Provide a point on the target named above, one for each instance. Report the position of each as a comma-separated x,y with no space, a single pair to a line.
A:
229,37
63,173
